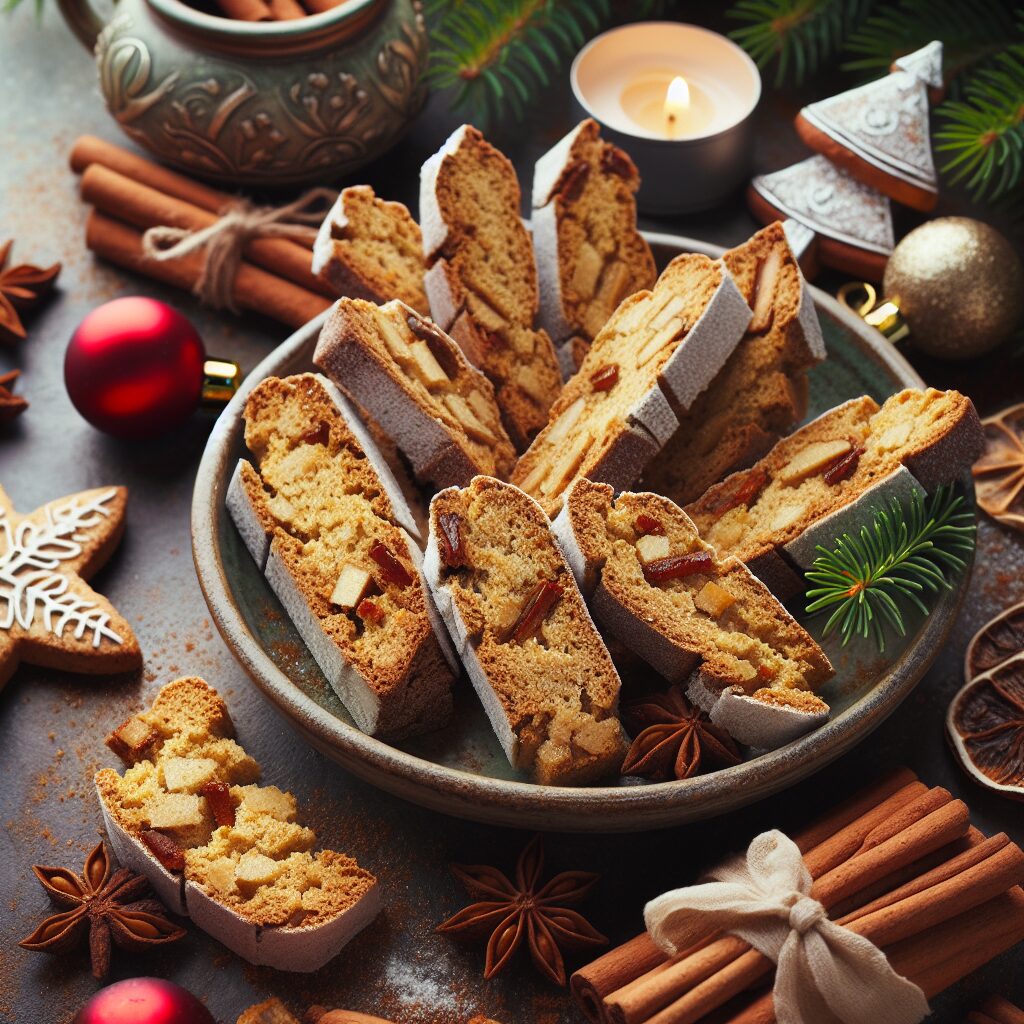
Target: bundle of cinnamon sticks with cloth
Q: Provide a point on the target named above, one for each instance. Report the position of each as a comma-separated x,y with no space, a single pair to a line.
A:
898,864
131,194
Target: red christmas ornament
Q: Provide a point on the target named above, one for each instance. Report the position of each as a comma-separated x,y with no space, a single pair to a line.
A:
136,368
144,1001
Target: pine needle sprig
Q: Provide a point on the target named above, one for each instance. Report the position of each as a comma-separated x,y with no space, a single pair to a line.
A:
498,55
800,36
906,553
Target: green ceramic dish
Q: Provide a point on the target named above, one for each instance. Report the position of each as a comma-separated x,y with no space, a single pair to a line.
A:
461,770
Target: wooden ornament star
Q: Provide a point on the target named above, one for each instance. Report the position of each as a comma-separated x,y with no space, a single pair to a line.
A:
48,613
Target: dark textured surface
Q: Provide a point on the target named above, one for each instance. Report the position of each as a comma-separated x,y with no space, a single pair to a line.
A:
53,725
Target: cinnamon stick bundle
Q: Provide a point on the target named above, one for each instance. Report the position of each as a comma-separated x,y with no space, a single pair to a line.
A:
996,1010
844,829
900,860
254,289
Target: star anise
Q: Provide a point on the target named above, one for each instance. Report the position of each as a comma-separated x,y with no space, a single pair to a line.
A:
11,405
508,914
106,906
21,287
999,473
674,740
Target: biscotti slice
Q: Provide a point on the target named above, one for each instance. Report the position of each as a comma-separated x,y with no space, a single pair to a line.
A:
761,392
188,814
823,480
656,586
590,255
319,517
482,279
523,632
647,365
368,248
416,383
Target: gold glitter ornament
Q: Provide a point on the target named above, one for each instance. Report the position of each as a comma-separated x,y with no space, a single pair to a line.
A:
959,285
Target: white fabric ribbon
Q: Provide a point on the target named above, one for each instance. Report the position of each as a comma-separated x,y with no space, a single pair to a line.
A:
224,241
825,973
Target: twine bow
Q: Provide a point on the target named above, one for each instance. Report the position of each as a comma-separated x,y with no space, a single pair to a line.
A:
224,241
825,974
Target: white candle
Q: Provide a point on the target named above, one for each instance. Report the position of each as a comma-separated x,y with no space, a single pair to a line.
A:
668,104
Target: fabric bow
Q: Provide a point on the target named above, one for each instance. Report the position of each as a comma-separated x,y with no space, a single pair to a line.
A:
224,241
825,973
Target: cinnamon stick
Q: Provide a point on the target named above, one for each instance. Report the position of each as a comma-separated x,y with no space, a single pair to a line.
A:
825,843
286,10
126,199
245,10
319,6
996,1010
254,289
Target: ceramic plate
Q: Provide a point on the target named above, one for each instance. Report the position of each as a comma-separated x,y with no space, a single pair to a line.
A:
461,770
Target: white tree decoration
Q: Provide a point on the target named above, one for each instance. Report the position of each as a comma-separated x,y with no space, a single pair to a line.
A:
31,578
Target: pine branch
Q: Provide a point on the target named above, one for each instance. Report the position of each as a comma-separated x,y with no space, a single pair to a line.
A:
906,553
798,35
498,55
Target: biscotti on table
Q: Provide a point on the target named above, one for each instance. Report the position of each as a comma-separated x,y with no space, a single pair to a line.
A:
189,815
369,248
482,279
590,255
414,381
324,518
523,632
647,365
823,480
761,391
694,617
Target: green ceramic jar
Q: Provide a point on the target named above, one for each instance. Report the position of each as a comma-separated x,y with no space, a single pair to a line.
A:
260,103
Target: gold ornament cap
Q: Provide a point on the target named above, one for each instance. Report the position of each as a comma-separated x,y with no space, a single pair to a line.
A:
221,378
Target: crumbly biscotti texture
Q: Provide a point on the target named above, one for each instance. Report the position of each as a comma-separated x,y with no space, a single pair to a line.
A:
590,255
541,670
482,280
369,248
320,505
717,626
419,387
275,899
272,1011
761,392
822,480
647,365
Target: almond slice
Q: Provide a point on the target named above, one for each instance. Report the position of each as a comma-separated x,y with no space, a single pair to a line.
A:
485,410
630,318
673,305
895,437
766,283
532,481
713,599
559,430
425,366
350,588
393,339
587,270
786,516
460,409
655,344
812,459
652,546
565,468
527,378
484,313
614,282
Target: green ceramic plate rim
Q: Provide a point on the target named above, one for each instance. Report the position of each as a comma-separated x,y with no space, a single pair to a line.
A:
523,804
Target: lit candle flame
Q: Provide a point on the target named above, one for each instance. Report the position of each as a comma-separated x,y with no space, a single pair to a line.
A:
677,99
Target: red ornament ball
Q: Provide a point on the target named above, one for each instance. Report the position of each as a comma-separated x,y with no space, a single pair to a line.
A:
134,368
144,1001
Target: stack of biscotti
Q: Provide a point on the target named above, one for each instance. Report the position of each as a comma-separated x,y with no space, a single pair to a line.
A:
418,386
369,248
653,583
524,633
590,255
323,517
216,846
823,480
482,279
647,365
761,392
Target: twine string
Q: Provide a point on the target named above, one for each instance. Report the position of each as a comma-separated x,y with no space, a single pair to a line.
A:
223,242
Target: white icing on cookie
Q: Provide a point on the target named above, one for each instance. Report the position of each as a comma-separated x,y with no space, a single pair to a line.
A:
831,202
925,64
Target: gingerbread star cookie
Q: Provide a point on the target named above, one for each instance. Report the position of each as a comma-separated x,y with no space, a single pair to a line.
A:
48,613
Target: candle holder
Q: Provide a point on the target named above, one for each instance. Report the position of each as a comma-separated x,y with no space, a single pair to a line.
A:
692,141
